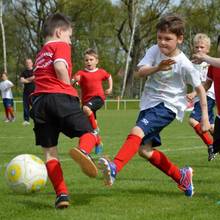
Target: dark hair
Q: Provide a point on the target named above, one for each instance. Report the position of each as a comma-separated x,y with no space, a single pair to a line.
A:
171,23
55,21
92,52
3,73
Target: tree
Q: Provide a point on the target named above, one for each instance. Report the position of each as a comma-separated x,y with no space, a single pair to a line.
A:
3,37
144,33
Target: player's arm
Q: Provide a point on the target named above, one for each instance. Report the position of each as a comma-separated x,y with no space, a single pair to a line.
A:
200,57
164,65
62,72
110,86
30,79
207,84
203,103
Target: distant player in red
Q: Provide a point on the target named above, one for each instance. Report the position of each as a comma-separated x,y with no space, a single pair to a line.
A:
56,107
213,76
92,93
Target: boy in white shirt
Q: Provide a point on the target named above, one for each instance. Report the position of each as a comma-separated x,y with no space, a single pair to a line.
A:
7,97
202,43
164,98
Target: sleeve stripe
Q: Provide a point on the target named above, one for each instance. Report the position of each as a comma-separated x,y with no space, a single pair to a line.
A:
61,60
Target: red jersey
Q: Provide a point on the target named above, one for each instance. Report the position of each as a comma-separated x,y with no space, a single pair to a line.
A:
91,83
214,75
46,80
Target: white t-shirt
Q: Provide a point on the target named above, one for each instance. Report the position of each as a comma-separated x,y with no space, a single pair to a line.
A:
168,87
5,87
203,69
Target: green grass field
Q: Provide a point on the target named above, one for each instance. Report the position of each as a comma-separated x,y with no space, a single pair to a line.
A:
140,191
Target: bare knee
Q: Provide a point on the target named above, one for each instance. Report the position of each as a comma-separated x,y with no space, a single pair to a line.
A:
145,152
193,122
87,110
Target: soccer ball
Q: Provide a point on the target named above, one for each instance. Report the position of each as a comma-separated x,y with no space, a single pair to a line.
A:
26,173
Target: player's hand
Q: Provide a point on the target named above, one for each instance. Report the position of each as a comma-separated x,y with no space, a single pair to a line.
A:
165,65
198,58
205,125
108,91
191,96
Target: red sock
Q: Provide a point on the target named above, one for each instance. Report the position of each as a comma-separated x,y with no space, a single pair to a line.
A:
55,174
93,121
127,151
159,160
206,137
87,142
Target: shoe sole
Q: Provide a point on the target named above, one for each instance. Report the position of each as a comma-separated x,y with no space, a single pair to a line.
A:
62,205
104,167
85,163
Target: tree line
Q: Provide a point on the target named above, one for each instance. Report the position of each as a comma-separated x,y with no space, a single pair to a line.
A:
105,26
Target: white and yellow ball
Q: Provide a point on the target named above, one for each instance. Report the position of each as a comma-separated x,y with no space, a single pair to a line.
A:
26,173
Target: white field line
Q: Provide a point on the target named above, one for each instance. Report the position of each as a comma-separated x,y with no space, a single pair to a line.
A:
164,150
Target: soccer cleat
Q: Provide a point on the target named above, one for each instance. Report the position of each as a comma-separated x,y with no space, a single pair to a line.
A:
99,148
62,201
186,184
85,162
109,171
216,150
211,154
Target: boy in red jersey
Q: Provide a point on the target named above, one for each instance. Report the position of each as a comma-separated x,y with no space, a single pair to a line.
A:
168,72
213,76
93,96
56,108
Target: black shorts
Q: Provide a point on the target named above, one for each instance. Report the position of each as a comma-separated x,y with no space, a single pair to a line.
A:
95,104
55,113
216,135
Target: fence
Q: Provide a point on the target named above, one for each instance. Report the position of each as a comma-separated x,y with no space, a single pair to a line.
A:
113,104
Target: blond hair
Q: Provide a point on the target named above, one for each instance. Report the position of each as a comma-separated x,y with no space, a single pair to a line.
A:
202,37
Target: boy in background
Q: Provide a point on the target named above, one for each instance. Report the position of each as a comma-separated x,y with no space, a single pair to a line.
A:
92,93
202,43
163,99
27,79
7,97
56,106
213,77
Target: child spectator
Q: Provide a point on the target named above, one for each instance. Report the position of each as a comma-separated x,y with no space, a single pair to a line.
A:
7,97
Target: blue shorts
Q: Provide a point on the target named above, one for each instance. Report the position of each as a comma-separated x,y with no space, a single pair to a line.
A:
197,113
152,121
8,103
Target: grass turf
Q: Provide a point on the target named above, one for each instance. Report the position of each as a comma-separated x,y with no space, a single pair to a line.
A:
140,191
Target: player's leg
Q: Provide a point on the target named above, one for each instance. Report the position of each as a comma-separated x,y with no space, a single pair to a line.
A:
55,175
74,123
216,135
155,120
6,110
46,129
90,108
194,121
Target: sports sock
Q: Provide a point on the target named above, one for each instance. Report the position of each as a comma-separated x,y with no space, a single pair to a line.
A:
127,151
205,136
87,142
55,174
93,121
161,161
